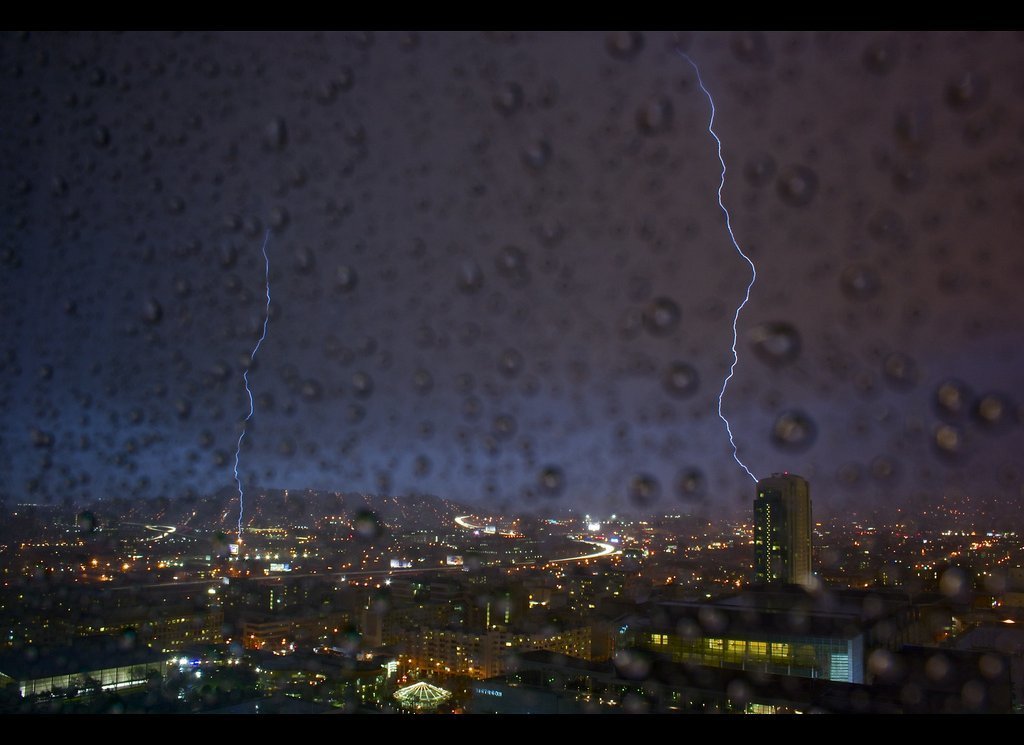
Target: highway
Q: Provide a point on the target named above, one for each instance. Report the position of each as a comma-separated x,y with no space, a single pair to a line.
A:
604,549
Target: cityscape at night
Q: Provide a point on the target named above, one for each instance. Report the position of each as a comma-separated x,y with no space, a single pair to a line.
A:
496,373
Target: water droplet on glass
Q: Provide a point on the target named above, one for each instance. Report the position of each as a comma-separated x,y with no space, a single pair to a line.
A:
760,169
537,154
624,44
900,371
681,380
86,522
883,468
362,384
797,186
152,312
655,116
880,56
367,526
346,278
551,481
422,381
508,98
504,426
644,490
470,277
993,411
661,316
691,485
860,282
511,263
275,134
949,441
913,129
794,431
776,344
951,399
967,91
510,363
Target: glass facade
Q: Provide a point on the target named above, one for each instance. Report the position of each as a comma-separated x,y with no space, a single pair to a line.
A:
806,657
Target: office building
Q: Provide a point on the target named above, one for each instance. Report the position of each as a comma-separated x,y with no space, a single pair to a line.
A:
782,530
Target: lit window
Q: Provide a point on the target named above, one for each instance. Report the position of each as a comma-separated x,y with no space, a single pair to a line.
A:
780,650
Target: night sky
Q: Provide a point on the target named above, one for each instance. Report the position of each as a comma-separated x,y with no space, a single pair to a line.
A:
499,272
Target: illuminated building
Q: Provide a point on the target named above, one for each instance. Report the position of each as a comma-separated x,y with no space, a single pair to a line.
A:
87,664
422,696
482,654
782,530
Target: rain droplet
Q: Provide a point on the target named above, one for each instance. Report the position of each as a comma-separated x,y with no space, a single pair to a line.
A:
794,432
993,410
776,344
346,278
41,439
655,116
883,468
797,186
511,263
860,282
950,441
86,522
644,490
367,526
152,312
913,129
954,582
422,381
760,169
900,371
275,134
504,426
470,277
508,98
661,316
362,384
312,390
681,380
510,363
551,481
951,399
472,408
751,47
691,485
537,154
880,56
624,45
967,91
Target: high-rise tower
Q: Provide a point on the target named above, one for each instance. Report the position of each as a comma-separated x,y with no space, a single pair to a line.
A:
782,530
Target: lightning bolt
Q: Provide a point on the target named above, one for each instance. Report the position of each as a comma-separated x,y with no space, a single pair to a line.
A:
245,379
736,245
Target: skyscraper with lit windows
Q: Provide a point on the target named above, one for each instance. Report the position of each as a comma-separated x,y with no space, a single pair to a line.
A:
782,530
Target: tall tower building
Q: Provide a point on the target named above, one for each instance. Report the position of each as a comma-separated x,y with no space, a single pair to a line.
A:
782,530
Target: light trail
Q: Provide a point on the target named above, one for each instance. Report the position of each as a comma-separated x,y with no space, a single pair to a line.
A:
245,379
461,522
736,245
606,549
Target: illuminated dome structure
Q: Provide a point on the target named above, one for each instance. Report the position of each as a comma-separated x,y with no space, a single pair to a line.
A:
422,696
